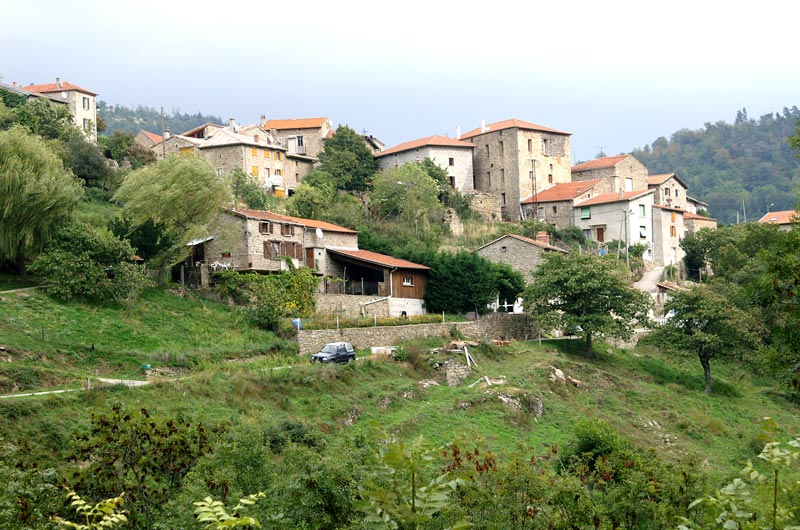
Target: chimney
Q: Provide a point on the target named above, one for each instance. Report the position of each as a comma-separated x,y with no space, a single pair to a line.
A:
543,237
166,134
14,83
483,126
263,120
232,124
255,138
458,132
58,83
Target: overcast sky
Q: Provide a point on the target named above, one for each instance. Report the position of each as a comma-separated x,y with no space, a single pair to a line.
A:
616,74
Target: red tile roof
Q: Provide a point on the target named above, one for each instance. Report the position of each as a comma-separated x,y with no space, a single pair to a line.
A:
434,141
565,191
310,223
780,218
614,197
52,87
509,124
600,163
298,123
526,240
658,179
690,215
153,136
377,259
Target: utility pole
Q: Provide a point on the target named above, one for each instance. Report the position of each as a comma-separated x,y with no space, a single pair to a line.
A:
163,140
744,212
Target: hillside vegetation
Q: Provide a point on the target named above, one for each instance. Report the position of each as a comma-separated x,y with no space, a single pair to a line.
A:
747,167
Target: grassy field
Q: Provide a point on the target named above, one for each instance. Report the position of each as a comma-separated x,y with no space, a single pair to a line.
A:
229,375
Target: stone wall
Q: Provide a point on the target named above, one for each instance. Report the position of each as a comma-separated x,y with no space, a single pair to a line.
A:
487,205
349,305
496,326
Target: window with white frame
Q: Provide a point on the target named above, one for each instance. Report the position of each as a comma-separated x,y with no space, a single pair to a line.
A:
408,281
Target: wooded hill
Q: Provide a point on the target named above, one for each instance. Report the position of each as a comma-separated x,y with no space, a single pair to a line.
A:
121,118
745,167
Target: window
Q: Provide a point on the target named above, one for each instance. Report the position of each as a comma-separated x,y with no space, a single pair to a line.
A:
266,173
672,216
287,230
488,179
254,151
87,124
487,149
300,141
666,192
502,150
408,281
278,155
545,147
503,248
85,103
503,195
502,176
550,178
555,209
452,181
219,171
586,212
628,184
641,210
642,232
677,192
254,171
673,232
272,249
530,145
264,227
278,173
530,175
451,161
266,154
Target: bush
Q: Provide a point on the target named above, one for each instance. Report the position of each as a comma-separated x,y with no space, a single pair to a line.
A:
288,431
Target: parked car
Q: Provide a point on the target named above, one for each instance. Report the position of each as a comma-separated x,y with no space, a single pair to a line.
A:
335,352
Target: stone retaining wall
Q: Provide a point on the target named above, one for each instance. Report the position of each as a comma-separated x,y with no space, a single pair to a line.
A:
496,326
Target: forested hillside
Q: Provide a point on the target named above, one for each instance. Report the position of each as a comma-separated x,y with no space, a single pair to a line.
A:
745,167
121,118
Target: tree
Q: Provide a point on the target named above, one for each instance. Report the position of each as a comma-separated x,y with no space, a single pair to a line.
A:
510,283
407,194
44,118
37,194
585,292
85,160
459,282
182,195
84,262
348,159
706,323
313,197
247,190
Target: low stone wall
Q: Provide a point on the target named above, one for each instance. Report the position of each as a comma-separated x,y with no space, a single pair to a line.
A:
349,305
496,326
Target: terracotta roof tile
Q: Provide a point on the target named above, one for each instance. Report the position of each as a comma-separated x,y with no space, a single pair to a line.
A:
658,179
310,223
784,217
600,163
153,136
52,87
509,124
298,123
378,259
614,197
565,191
525,240
690,215
434,141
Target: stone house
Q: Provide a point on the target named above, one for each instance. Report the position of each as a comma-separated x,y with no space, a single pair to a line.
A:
147,139
82,103
784,219
622,216
453,156
303,136
669,190
694,222
668,230
267,242
695,206
554,205
521,253
514,159
615,173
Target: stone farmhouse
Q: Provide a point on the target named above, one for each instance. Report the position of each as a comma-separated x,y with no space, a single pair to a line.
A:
82,103
268,242
516,159
454,156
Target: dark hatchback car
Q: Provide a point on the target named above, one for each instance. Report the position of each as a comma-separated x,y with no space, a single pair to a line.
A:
335,352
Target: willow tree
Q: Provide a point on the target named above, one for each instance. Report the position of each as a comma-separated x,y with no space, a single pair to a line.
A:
37,194
181,195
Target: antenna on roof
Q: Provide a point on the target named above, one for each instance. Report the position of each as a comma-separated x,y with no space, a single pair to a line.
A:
602,152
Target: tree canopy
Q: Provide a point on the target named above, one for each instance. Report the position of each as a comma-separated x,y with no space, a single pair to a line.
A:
585,293
349,160
37,194
181,195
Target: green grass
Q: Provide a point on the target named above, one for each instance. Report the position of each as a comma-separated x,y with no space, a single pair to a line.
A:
651,399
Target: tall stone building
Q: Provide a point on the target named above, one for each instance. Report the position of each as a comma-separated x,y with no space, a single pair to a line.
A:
514,159
82,103
616,173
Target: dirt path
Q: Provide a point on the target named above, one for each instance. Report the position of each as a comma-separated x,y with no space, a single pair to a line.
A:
102,380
